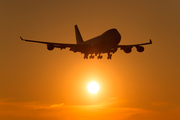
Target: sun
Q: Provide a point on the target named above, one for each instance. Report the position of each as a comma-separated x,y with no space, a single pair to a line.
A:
93,87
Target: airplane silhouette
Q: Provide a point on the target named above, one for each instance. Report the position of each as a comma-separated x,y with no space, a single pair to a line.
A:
104,43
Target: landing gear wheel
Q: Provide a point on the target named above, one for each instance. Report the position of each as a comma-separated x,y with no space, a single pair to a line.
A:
86,56
100,57
91,57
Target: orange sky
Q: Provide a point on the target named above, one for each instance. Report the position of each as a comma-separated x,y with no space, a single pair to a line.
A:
52,85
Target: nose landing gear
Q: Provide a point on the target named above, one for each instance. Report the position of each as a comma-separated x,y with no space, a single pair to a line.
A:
109,56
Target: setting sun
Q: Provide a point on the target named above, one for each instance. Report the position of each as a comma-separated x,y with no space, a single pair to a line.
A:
93,87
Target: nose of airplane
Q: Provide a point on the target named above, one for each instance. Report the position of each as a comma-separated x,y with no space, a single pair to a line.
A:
116,36
111,38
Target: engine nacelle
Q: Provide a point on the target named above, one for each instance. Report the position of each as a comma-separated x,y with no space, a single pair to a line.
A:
140,48
127,49
50,46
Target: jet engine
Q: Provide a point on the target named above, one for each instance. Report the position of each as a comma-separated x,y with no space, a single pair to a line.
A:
140,48
127,49
50,46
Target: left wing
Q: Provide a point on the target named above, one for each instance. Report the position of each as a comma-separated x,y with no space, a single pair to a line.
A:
139,47
51,45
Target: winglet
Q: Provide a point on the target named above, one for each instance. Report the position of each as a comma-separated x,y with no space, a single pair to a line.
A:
150,41
21,38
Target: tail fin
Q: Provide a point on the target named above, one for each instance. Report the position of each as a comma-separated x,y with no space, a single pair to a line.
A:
78,35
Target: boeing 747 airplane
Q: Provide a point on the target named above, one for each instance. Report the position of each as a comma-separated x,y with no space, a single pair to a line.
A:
104,43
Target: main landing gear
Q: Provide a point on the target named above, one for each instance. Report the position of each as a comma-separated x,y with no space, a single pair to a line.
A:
98,57
85,56
91,56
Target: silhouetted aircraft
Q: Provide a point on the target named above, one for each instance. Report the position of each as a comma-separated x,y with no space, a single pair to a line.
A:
104,43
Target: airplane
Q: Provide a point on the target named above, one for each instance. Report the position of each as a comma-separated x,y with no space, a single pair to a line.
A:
108,42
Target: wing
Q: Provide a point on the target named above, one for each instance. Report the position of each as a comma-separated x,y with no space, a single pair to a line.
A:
139,47
51,45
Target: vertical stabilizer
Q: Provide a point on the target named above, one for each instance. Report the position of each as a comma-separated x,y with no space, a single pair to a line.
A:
78,35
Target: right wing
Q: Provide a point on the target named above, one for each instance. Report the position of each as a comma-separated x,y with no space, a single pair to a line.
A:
150,42
139,47
51,45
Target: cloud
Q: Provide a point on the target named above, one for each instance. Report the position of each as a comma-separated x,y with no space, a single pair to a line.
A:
57,105
160,103
105,110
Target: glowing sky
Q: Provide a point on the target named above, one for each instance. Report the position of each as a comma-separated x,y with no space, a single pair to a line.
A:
52,85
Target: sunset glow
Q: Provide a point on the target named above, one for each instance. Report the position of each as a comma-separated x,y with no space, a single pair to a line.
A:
39,84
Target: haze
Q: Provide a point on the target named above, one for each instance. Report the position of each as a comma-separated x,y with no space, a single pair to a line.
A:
52,85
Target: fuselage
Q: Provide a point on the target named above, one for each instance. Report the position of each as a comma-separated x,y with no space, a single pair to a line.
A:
109,38
105,42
